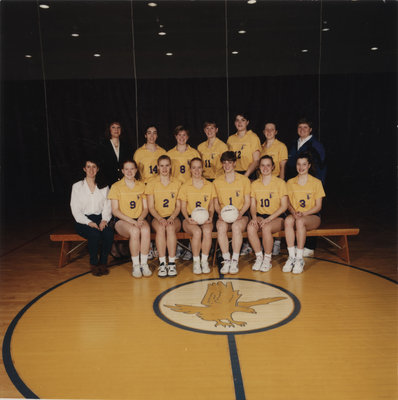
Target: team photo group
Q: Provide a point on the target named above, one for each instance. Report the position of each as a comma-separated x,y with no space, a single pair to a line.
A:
239,186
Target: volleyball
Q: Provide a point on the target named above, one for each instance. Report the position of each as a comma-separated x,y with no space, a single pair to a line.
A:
200,215
229,213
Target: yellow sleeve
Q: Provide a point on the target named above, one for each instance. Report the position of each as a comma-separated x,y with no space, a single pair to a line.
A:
114,193
283,152
319,191
149,188
282,189
246,186
182,193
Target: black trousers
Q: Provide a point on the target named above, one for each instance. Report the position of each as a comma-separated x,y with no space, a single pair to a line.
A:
96,239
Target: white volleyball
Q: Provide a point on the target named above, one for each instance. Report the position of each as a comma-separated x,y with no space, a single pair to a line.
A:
200,215
229,214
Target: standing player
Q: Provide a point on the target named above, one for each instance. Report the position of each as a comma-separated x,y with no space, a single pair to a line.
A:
147,156
274,148
162,192
211,151
198,192
278,151
234,189
181,155
246,146
130,207
305,195
268,202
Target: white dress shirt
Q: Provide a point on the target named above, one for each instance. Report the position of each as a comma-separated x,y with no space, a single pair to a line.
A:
300,141
84,202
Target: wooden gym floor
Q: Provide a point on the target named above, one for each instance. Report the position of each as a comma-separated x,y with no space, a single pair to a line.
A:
329,333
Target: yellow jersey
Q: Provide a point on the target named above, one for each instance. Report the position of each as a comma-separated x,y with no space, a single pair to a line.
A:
244,147
278,152
197,197
130,199
147,161
180,162
268,197
232,193
212,166
164,197
302,197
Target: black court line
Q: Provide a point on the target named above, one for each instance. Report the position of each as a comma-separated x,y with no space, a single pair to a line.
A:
6,350
237,376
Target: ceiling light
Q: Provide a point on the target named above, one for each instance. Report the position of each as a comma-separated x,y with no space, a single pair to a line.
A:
97,55
242,31
28,56
251,1
374,48
152,4
304,51
326,29
169,54
162,33
235,52
45,6
75,34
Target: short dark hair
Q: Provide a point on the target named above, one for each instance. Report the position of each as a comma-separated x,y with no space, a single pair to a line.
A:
180,128
206,123
196,159
245,115
304,121
228,156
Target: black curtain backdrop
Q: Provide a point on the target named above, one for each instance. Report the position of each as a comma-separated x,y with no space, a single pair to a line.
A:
357,121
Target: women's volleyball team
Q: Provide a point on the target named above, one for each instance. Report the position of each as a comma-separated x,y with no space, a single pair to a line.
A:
234,186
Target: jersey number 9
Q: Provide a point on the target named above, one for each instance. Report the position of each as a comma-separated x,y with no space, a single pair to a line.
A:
132,204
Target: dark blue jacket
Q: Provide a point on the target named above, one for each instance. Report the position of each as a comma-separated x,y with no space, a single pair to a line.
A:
317,151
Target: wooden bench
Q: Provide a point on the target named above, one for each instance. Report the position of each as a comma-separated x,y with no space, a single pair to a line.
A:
341,242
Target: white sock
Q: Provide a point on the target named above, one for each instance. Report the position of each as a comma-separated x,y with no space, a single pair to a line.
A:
172,260
197,259
269,256
226,256
259,254
235,256
205,257
136,261
291,252
299,253
144,259
162,260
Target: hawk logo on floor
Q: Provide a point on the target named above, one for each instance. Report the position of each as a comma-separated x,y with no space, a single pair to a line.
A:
220,301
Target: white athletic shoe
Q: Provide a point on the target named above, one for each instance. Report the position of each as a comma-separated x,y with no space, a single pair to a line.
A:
172,270
233,269
276,249
257,264
288,265
266,265
308,252
162,270
298,266
205,267
179,252
136,272
146,270
246,249
225,266
196,268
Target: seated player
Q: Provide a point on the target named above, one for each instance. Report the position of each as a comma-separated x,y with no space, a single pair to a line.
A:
130,208
305,195
268,203
198,192
162,192
92,212
147,155
234,189
211,151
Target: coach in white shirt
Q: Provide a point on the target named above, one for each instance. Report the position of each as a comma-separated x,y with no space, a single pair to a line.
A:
92,212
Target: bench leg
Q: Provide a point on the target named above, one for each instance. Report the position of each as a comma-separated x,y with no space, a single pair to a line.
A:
344,252
64,256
